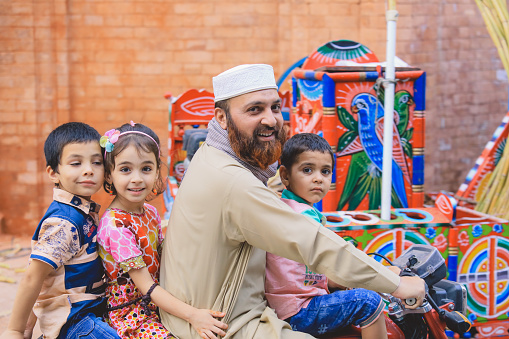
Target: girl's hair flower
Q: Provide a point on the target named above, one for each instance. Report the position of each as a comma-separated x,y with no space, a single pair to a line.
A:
108,140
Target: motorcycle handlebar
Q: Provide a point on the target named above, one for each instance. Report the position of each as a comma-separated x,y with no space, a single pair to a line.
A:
406,272
455,321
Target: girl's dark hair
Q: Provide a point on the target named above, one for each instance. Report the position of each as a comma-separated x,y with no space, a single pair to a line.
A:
301,143
141,142
68,133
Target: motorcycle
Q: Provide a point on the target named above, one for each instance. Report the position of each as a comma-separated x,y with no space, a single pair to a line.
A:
444,305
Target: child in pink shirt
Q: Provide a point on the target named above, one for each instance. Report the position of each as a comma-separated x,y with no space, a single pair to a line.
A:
130,238
302,297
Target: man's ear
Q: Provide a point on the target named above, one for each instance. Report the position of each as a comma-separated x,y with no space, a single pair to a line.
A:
221,118
283,174
53,176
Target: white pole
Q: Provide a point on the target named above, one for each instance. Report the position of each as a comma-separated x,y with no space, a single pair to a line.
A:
391,17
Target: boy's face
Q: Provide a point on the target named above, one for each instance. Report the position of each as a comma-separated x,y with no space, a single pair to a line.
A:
310,176
81,169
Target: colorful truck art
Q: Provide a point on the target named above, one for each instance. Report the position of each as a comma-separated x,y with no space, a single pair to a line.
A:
483,266
476,254
345,105
426,226
191,110
472,188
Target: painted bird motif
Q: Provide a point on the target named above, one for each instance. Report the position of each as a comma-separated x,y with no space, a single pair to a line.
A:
402,102
370,128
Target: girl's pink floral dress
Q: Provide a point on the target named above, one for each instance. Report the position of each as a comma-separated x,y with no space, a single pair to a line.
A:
127,241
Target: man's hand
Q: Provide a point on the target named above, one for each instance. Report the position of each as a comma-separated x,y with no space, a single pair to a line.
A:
395,269
205,323
411,287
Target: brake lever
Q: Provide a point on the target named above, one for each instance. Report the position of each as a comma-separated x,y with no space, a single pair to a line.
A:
455,321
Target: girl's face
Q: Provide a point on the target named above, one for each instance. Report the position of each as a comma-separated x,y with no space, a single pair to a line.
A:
134,176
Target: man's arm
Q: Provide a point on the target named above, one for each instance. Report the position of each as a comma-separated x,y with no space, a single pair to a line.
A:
255,214
26,296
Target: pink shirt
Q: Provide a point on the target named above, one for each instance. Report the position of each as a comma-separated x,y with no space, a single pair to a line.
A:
130,240
289,285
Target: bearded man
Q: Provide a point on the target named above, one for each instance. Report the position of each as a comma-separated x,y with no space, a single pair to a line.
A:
224,219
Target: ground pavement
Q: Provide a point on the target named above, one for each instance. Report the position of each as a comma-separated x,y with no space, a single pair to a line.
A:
14,253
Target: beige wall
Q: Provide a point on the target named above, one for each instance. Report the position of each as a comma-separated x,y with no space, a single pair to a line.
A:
107,62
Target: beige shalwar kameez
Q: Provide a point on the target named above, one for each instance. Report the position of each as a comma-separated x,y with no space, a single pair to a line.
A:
220,208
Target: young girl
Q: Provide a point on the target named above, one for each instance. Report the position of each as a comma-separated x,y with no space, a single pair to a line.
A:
130,238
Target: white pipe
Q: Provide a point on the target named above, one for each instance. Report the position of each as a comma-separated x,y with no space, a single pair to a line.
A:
391,17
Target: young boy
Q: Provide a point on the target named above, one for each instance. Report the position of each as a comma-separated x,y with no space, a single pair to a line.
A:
299,296
64,282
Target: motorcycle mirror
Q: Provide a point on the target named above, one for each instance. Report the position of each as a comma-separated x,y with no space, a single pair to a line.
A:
457,322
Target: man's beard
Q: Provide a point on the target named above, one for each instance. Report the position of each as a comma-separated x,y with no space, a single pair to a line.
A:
257,153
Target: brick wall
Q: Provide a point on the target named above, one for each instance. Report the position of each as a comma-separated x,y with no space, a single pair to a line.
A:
105,62
466,84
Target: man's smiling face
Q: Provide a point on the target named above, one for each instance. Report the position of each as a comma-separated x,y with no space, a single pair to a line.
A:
255,127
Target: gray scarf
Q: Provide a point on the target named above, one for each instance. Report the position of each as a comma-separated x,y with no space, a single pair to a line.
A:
217,137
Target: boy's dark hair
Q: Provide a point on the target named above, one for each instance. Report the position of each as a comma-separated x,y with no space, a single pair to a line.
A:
301,143
68,133
141,142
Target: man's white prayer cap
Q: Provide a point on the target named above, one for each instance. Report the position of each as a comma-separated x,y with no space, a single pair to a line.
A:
243,79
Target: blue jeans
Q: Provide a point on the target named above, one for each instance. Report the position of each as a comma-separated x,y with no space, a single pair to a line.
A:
91,327
331,312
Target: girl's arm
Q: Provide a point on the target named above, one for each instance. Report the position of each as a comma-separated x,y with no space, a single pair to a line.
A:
29,329
202,320
26,296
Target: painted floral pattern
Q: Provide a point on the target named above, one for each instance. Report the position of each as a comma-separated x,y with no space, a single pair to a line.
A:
440,243
477,231
430,233
464,239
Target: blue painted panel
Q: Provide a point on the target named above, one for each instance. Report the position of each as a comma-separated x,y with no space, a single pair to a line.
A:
420,93
329,90
371,75
418,164
294,92
334,170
